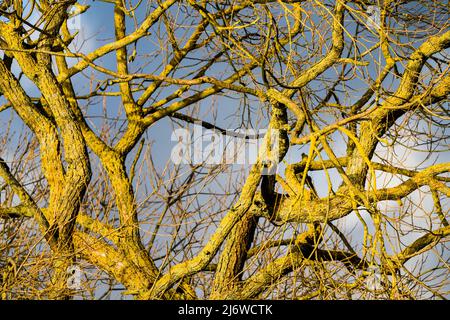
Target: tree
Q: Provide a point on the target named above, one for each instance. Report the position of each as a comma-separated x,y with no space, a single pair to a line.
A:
352,94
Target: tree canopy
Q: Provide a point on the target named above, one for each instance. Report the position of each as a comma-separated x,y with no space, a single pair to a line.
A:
351,202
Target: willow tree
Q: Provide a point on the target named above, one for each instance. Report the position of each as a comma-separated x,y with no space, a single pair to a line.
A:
355,91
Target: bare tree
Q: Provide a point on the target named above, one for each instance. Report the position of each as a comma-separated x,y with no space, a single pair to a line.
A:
350,203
